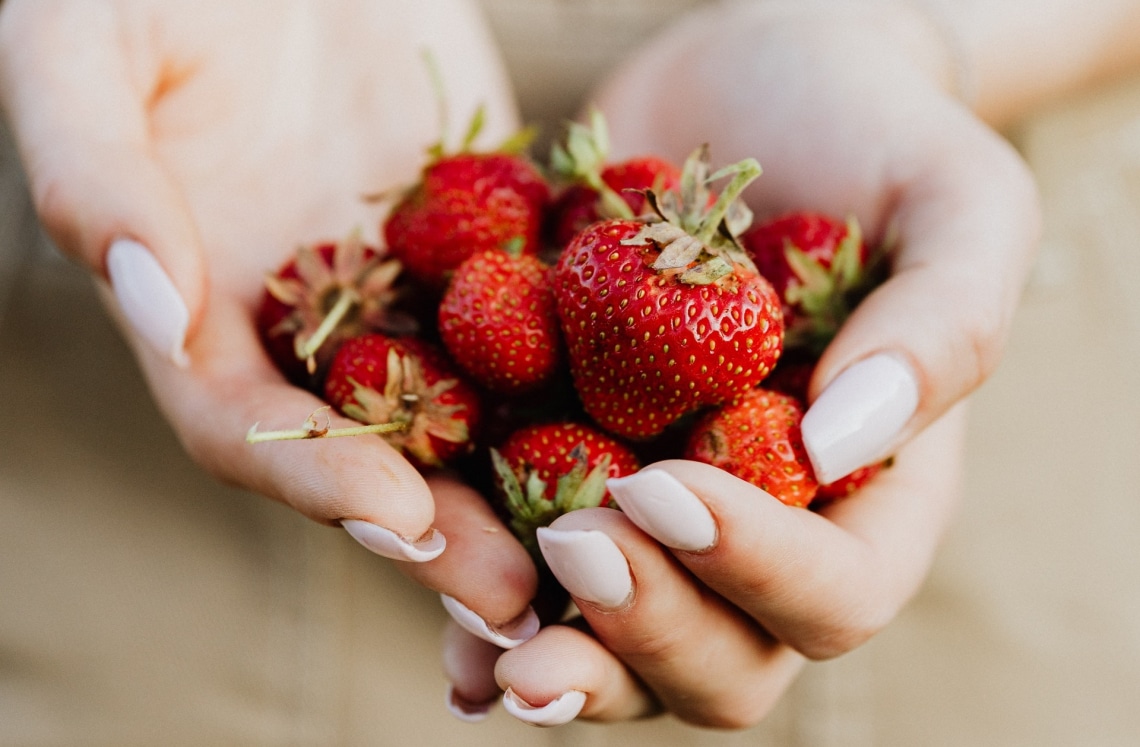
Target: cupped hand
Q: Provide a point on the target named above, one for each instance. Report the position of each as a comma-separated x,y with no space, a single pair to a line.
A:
181,150
705,596
850,109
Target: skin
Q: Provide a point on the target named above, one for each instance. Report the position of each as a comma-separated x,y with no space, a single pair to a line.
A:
176,124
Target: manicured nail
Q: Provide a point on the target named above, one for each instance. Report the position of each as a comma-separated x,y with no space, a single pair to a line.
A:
148,298
466,710
563,709
588,565
859,415
391,545
516,632
665,509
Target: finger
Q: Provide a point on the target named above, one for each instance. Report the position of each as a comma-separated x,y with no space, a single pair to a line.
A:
360,483
486,578
469,665
967,223
708,662
78,110
824,582
562,674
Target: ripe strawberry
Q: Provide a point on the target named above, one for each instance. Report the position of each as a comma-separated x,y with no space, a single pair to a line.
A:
325,294
465,203
758,439
378,379
821,267
846,486
543,471
596,190
662,318
497,319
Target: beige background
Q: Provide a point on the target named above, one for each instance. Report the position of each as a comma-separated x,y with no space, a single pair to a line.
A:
141,604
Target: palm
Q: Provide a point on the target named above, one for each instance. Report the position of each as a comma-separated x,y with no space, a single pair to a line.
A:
276,137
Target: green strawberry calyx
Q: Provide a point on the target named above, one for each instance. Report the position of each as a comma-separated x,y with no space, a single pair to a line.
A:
525,494
824,296
516,144
582,159
409,400
696,239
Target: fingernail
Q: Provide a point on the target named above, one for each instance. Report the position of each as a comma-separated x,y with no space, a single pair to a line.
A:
391,545
148,298
466,710
517,631
859,415
588,565
563,709
665,509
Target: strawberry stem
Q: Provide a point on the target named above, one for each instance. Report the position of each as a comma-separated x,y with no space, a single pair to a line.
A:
307,349
743,173
583,158
310,429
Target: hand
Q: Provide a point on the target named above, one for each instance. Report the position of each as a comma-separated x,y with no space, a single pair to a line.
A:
199,143
706,595
844,120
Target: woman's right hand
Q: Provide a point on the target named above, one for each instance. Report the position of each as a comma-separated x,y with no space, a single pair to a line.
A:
181,150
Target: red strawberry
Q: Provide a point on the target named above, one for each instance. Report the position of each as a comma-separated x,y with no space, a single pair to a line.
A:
758,439
325,294
597,190
543,471
497,319
846,486
377,379
821,267
663,318
466,203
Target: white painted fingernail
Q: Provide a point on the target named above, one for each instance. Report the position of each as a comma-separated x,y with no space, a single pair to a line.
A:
148,298
588,565
466,710
859,415
562,710
516,632
665,509
391,545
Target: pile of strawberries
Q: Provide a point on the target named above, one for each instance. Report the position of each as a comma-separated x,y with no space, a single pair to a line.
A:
543,328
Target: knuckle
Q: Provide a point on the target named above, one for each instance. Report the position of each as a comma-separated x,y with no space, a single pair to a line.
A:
744,706
843,635
658,644
53,203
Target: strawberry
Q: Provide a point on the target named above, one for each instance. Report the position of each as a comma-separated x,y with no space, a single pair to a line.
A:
758,439
596,190
465,203
378,379
543,471
497,319
664,317
326,293
820,266
846,486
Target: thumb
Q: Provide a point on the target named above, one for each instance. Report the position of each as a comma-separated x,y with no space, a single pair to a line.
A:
967,229
79,114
